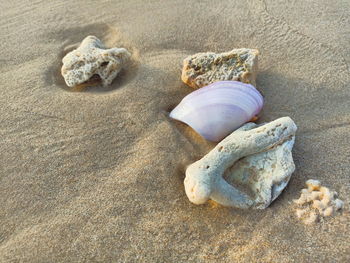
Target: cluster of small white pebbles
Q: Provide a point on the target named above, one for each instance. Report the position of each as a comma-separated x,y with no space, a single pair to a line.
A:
316,202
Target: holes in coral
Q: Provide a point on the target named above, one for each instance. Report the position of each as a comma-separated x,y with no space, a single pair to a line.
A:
93,81
104,64
221,148
261,130
207,167
78,65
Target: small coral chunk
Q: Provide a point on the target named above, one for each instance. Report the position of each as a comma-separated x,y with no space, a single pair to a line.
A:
92,59
320,200
202,69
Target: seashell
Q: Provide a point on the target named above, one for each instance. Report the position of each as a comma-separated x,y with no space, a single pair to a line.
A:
216,110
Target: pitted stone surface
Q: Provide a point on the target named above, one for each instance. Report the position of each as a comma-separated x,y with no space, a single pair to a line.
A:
202,69
92,58
249,168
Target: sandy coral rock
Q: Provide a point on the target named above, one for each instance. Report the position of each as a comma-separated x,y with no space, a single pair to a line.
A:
317,202
203,69
92,58
249,168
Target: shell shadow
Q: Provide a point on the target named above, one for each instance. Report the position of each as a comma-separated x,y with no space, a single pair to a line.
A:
71,38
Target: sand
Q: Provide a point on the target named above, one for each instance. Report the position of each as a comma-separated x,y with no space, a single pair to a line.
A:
98,175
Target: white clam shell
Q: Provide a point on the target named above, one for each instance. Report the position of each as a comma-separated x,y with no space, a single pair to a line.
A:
216,110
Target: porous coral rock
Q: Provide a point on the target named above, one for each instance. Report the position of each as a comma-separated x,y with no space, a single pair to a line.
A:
317,202
249,168
91,59
202,69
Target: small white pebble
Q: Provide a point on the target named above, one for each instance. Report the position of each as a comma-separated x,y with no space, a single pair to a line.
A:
300,212
325,200
315,195
325,191
328,211
317,204
311,219
338,204
313,184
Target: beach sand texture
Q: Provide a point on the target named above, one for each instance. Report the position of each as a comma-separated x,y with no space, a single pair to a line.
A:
98,175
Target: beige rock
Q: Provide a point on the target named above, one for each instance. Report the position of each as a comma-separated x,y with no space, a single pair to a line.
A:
328,211
92,59
203,69
249,168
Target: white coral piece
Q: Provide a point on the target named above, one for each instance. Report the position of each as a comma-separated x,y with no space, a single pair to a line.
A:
258,158
92,58
319,200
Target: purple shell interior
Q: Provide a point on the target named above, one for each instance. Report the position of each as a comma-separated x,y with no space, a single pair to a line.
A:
216,110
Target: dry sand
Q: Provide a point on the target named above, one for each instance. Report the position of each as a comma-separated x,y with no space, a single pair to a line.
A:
98,175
